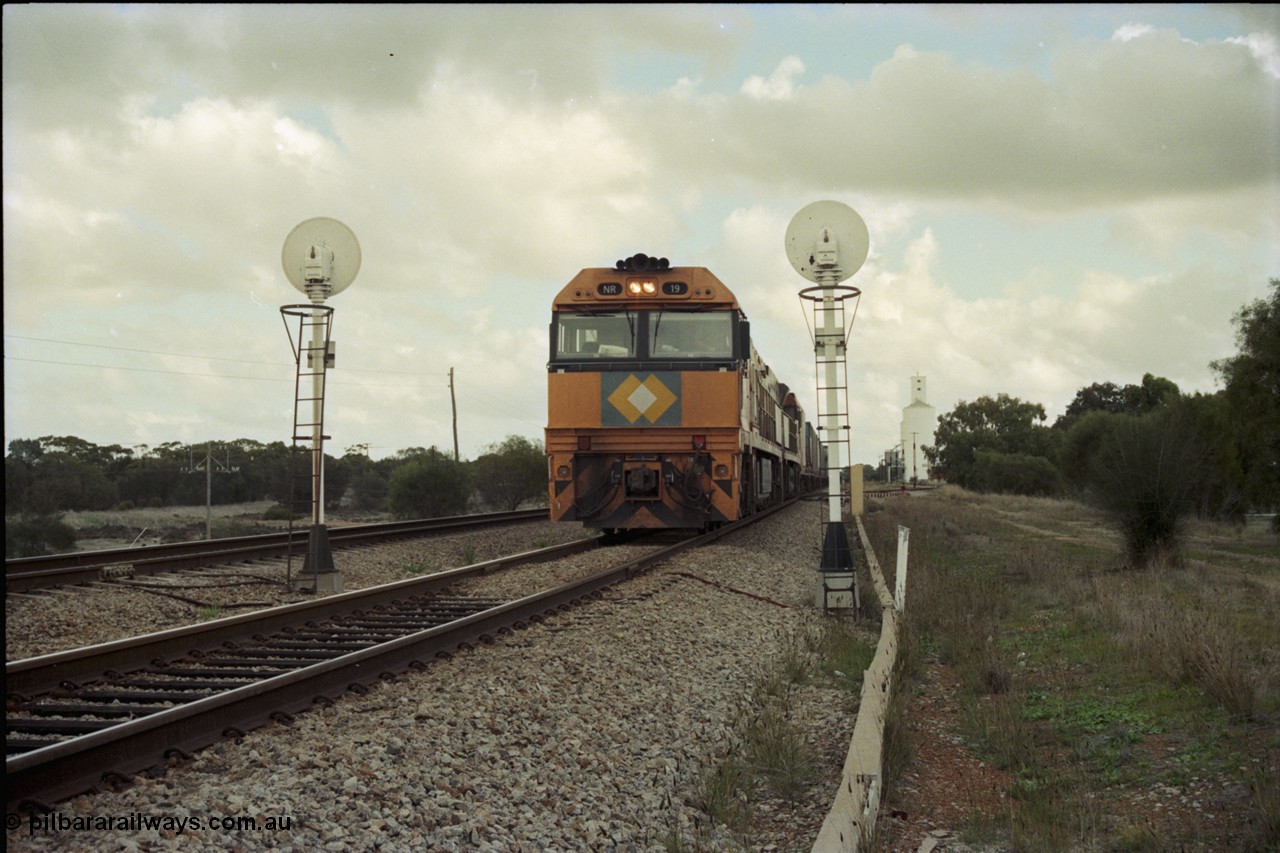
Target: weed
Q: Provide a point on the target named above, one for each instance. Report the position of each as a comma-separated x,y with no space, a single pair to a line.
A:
794,662
1001,730
1141,838
776,751
723,793
1263,781
898,747
213,611
468,554
422,567
844,651
1183,644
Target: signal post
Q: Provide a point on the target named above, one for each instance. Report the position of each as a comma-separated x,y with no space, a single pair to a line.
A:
320,257
827,242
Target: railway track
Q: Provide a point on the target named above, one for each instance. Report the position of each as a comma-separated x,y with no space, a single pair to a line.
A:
28,573
77,721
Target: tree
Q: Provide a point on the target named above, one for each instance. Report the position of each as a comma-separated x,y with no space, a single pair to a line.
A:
1079,447
1252,379
429,485
1001,425
1098,397
510,473
1145,477
1219,491
61,481
1153,393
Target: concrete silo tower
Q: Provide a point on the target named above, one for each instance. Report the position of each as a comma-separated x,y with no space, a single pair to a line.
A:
919,421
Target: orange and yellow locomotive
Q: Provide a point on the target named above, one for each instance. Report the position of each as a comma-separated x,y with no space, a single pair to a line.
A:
660,412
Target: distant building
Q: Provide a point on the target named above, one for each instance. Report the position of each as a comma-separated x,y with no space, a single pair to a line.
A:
919,423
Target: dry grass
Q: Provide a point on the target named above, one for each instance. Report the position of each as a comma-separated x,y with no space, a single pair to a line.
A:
1183,642
1092,683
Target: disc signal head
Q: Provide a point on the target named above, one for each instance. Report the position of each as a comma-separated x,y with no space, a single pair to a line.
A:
827,242
321,257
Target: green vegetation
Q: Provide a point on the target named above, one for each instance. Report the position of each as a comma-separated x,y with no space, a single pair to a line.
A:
47,476
280,513
422,567
213,611
1093,686
767,753
428,485
37,535
1146,454
510,473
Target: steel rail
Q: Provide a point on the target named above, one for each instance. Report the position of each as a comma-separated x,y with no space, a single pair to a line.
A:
29,573
83,764
32,676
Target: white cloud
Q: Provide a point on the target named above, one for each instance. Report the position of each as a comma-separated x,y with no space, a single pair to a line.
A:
1129,32
1264,48
781,83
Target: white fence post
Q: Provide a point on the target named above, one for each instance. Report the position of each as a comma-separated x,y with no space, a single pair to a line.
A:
900,585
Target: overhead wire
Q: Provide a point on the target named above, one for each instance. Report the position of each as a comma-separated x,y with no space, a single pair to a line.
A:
202,357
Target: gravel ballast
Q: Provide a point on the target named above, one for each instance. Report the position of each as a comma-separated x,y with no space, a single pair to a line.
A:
585,732
80,616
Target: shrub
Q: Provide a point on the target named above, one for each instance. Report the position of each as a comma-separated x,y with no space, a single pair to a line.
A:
429,485
1015,474
37,535
1144,478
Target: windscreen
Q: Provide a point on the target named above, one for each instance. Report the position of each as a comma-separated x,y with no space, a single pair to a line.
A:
688,335
595,336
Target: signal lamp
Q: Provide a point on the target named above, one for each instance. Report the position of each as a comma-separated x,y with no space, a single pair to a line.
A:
722,471
562,473
699,442
584,442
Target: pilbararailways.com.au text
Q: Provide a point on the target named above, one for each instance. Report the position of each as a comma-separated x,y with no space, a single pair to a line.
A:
55,822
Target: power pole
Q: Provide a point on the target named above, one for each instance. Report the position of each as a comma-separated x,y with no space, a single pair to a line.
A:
453,403
207,467
915,474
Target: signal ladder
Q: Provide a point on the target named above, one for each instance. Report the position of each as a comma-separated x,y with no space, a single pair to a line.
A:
313,355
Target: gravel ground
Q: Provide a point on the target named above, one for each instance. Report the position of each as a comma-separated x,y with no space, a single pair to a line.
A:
80,616
584,733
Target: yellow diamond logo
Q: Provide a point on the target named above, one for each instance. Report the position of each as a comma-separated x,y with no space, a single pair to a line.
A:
634,398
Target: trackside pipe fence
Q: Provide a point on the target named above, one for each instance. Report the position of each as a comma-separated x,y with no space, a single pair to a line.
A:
850,824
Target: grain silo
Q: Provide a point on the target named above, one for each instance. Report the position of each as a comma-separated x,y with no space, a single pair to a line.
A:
919,421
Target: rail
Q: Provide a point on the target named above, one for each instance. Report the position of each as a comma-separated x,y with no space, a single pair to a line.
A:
29,573
85,763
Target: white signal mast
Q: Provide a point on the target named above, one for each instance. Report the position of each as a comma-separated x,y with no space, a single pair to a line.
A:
321,257
827,242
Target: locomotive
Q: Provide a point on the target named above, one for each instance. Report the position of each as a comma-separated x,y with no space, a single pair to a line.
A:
661,414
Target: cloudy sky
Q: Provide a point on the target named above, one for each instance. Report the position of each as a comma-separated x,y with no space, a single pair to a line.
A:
1056,196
